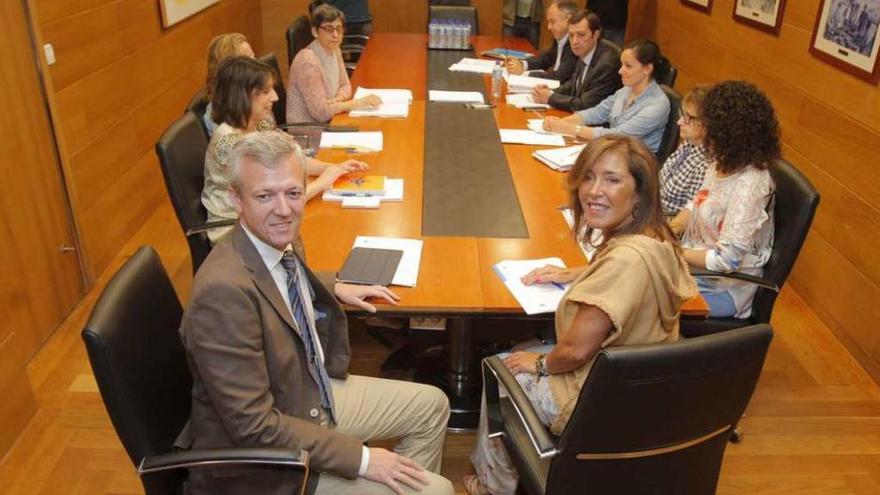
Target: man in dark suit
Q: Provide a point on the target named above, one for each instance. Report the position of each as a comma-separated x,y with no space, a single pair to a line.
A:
267,344
557,62
596,73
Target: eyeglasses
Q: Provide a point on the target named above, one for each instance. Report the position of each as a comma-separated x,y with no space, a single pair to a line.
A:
327,28
686,117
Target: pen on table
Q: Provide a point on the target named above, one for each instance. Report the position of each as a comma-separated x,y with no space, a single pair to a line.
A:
558,285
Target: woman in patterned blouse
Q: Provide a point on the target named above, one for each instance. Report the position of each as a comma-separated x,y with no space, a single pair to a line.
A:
241,102
728,225
683,172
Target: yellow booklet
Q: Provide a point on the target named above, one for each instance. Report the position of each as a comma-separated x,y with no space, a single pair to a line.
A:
359,185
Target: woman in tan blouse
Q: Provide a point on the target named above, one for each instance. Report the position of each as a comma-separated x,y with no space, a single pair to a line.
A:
630,294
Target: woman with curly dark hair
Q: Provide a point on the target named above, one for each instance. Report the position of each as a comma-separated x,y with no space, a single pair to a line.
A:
728,225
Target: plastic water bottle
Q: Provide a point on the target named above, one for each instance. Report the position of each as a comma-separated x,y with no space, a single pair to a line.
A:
467,36
462,36
443,35
497,77
456,36
432,34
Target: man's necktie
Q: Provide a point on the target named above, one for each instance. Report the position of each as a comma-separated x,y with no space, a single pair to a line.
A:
291,266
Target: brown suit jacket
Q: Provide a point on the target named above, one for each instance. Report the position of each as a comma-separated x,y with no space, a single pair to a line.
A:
251,383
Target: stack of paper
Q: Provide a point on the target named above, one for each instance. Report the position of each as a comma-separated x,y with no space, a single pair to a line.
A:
354,141
455,96
525,84
535,298
559,158
408,269
393,192
476,65
395,103
525,136
524,100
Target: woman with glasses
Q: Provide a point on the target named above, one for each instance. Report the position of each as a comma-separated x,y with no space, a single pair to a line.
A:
682,173
728,225
318,86
639,108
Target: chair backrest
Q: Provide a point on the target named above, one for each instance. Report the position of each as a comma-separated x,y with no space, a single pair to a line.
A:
666,411
670,133
279,109
139,362
181,151
298,35
796,203
197,105
670,77
462,13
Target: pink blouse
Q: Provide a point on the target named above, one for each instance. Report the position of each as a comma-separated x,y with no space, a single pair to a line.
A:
309,97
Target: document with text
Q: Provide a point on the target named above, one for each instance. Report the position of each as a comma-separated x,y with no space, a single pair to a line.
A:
536,298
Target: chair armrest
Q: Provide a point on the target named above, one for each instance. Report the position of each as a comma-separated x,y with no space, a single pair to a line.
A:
322,125
495,373
210,225
760,282
214,457
358,38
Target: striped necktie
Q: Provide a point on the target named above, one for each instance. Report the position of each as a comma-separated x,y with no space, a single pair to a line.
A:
316,367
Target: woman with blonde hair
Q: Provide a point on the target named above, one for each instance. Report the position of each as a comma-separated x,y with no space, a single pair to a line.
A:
220,48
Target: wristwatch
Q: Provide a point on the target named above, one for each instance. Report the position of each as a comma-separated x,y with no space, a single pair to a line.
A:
541,365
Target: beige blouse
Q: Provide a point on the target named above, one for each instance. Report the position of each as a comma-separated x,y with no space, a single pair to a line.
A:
641,284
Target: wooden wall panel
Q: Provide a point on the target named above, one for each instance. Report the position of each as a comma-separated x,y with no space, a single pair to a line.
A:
831,131
119,81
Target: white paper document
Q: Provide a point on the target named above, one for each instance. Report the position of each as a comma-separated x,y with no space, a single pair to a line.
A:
475,65
525,136
559,158
524,100
455,96
536,298
388,110
596,237
537,125
361,202
393,192
525,84
395,103
387,95
408,270
355,141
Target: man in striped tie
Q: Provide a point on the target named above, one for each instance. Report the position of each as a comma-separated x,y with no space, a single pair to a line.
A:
267,343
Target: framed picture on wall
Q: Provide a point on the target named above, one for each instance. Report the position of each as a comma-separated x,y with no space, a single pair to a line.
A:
174,11
765,15
846,36
704,5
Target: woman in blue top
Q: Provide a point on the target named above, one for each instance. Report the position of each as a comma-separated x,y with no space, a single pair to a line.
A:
639,108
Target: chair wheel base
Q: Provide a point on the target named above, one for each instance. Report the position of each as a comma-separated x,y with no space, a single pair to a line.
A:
736,436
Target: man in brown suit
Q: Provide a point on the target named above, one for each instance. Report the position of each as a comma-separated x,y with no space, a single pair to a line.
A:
267,343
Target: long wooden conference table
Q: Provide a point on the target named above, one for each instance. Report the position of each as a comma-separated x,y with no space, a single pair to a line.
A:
456,278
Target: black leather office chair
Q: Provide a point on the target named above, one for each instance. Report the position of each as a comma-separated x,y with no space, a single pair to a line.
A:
649,420
462,13
197,105
670,77
670,133
279,109
141,369
299,35
796,203
181,151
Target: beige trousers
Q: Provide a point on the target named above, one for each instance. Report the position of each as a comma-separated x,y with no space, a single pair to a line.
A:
379,409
